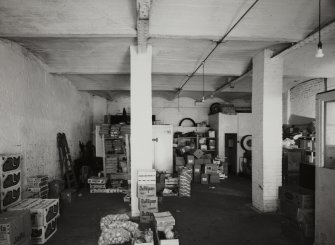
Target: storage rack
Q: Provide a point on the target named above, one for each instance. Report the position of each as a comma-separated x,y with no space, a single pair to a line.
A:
116,154
198,141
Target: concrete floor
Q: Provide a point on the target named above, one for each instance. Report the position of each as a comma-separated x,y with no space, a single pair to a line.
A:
210,217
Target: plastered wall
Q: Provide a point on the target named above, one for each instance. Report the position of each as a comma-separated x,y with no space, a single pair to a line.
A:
167,112
34,107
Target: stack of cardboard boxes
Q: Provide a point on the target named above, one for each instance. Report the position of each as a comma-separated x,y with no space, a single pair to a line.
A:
146,193
164,223
10,186
15,228
43,216
297,205
97,183
39,185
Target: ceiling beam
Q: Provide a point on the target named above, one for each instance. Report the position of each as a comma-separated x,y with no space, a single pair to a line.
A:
329,28
235,80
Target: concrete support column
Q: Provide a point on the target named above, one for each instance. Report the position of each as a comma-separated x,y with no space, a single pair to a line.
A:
141,113
267,137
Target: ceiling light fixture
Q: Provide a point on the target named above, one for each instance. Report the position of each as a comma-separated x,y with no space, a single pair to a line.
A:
319,52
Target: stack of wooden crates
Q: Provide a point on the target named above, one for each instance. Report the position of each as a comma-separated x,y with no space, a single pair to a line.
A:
11,176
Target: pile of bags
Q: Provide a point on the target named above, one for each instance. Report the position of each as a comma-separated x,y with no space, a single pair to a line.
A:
185,179
117,229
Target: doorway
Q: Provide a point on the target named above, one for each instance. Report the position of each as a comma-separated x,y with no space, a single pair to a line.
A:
231,152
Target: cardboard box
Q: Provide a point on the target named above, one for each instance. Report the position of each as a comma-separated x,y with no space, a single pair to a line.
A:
40,235
148,204
197,178
180,161
97,186
199,161
292,211
15,227
301,197
148,190
146,177
189,159
211,134
97,180
164,219
42,211
211,168
207,161
160,235
198,153
214,178
302,234
204,178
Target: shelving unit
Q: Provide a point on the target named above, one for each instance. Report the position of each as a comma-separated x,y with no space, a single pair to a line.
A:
204,143
116,157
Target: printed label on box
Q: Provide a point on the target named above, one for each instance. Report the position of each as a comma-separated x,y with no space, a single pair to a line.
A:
146,190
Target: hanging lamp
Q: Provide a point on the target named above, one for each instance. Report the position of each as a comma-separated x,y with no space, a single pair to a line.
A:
319,52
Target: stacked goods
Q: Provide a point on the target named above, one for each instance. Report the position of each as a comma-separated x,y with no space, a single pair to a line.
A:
171,186
125,129
109,146
164,224
110,190
197,173
38,184
179,163
97,183
114,131
15,228
104,129
43,216
118,146
146,193
185,179
297,205
111,164
10,185
117,229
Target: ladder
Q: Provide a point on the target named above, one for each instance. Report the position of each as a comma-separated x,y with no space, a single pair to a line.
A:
66,161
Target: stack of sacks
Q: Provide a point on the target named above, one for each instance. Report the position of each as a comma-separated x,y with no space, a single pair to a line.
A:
185,179
117,229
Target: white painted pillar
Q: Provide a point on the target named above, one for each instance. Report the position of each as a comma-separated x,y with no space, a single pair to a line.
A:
267,137
141,114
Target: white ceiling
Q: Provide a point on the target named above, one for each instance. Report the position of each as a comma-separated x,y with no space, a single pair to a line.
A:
88,41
